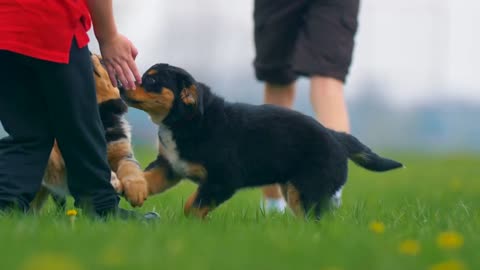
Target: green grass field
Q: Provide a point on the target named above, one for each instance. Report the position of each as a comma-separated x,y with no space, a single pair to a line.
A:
432,196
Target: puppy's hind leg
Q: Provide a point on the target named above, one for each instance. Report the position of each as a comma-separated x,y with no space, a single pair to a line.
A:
284,190
60,202
294,199
206,198
315,188
39,200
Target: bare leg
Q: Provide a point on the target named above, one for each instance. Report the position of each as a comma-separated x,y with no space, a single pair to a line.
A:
282,96
328,101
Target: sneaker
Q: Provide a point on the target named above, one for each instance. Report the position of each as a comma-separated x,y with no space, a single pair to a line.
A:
273,205
336,199
124,214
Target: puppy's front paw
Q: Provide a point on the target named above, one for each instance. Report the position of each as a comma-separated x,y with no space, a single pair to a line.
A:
117,185
135,190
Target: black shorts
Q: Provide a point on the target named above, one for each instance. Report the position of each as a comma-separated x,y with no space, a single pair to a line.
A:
304,37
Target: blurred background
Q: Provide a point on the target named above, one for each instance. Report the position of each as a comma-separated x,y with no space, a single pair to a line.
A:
413,85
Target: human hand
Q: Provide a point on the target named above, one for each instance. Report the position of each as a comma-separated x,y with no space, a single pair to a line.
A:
118,54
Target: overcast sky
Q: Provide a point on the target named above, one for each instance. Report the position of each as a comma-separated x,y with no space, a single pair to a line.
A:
420,49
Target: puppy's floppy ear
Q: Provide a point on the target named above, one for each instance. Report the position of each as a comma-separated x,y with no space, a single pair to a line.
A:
191,92
192,98
189,95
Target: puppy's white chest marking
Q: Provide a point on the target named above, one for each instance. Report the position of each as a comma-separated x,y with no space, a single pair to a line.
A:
170,152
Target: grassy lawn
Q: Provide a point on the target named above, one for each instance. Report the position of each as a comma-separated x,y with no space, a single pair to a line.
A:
435,202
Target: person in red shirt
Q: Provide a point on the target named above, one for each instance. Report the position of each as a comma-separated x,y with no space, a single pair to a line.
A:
48,93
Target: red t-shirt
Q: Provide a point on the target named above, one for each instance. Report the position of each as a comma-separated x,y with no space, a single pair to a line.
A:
43,29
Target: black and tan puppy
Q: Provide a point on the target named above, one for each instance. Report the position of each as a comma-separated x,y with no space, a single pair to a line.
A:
127,176
225,146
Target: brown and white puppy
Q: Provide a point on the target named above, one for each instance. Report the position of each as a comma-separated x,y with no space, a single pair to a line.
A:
127,176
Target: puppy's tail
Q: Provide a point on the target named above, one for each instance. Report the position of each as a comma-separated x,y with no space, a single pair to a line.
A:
364,156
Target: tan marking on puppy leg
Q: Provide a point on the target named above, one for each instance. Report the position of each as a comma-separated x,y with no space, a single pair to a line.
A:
201,212
190,210
284,190
294,200
55,171
54,178
133,182
158,181
118,151
39,200
189,202
197,172
130,175
117,185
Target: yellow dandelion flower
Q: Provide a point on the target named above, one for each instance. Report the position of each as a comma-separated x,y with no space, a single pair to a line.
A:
72,213
332,268
51,261
409,247
450,240
449,265
112,256
377,227
456,184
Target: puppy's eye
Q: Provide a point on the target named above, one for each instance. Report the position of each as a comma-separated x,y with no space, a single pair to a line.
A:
149,80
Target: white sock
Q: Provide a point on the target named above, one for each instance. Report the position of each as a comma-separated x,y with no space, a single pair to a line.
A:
337,198
274,205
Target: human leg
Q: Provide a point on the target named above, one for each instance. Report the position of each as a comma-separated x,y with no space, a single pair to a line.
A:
75,120
25,151
327,61
276,29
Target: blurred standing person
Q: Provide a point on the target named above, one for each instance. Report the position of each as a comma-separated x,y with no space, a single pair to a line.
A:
48,93
312,38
